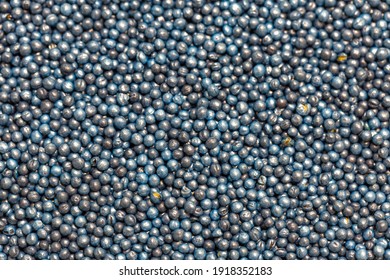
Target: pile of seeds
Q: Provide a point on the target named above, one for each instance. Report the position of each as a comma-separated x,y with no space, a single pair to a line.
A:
172,129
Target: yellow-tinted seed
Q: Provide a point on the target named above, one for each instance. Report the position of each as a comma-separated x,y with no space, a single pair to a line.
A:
342,58
9,16
287,142
157,195
305,108
52,46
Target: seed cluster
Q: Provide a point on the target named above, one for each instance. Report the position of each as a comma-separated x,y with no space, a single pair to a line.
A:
172,129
